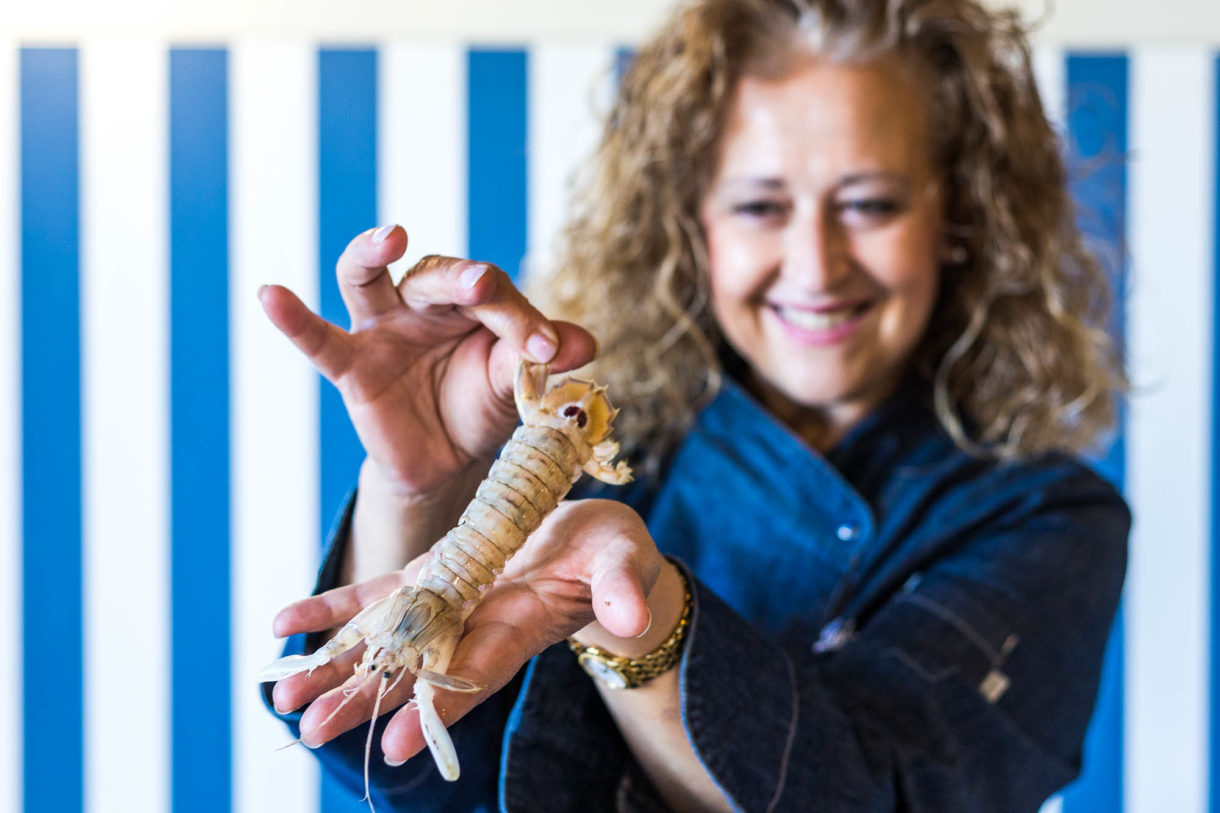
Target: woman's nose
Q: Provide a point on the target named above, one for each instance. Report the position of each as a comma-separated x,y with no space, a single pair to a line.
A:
815,250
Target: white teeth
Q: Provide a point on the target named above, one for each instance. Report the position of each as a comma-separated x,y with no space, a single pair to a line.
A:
808,320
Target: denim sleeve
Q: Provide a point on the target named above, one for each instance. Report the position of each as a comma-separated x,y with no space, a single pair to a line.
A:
968,689
417,785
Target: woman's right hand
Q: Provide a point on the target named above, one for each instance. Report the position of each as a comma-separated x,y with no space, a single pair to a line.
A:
426,369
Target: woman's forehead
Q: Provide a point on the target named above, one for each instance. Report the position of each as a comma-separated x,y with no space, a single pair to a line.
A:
819,113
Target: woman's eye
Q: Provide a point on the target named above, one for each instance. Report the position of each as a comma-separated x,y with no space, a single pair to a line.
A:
759,208
871,208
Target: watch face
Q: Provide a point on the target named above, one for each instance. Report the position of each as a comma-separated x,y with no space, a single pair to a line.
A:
603,672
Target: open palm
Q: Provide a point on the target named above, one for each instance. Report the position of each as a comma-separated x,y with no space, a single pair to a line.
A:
590,560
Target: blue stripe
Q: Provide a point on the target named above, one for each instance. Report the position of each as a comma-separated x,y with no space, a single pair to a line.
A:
1214,636
1097,150
199,430
497,197
623,57
53,649
347,205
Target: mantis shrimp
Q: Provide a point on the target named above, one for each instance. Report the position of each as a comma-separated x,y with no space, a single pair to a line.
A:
565,430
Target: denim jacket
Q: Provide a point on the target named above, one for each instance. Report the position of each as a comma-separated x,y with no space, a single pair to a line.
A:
896,625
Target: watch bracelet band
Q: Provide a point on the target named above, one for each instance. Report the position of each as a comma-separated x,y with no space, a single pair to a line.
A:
658,661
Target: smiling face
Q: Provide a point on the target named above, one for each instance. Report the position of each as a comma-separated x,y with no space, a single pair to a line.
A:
824,226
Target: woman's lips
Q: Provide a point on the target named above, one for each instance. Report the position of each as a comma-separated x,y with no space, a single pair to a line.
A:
823,325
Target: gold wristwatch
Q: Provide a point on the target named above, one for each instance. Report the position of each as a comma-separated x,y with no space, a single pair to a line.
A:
616,672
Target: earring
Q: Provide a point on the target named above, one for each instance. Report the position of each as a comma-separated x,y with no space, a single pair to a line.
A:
956,254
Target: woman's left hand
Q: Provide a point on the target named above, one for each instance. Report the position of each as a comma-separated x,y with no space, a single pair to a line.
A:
590,562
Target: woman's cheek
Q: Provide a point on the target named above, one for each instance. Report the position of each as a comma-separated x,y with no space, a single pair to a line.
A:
738,260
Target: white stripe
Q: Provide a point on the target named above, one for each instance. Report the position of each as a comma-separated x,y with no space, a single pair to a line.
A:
273,228
10,434
421,181
1169,334
569,93
1050,73
487,22
125,405
1054,805
1092,23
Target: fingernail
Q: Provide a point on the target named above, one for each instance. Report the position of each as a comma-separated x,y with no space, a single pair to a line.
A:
541,347
645,632
307,743
393,763
471,276
381,234
261,288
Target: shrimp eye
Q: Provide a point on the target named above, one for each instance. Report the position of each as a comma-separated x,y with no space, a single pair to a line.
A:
581,417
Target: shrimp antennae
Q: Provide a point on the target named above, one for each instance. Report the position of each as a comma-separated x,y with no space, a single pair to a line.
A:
368,743
348,694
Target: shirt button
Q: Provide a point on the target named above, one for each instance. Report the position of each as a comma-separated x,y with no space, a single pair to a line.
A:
847,532
834,635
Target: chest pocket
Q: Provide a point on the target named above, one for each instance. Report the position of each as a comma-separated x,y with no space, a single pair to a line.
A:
930,630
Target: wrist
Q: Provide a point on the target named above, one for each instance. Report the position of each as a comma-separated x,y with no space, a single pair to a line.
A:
382,483
391,525
616,664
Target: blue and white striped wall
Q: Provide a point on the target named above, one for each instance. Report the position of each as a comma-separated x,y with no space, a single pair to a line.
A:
168,463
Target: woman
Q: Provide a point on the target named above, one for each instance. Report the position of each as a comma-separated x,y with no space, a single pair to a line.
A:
830,258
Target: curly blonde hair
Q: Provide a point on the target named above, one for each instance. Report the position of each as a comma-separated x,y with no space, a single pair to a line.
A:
1017,351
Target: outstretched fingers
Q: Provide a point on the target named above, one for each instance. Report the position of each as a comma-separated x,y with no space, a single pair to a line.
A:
489,654
328,347
295,691
342,709
334,608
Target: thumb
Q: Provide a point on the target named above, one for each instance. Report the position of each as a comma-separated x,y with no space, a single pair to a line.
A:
619,601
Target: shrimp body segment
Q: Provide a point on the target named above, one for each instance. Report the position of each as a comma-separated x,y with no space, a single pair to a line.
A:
565,430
